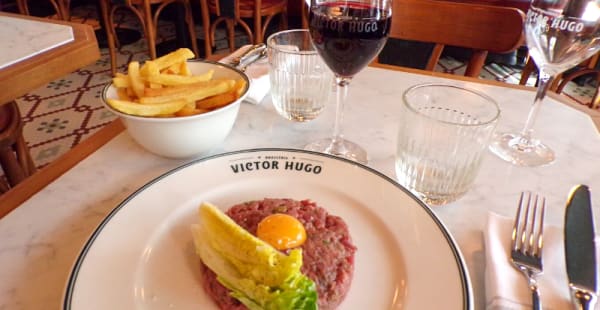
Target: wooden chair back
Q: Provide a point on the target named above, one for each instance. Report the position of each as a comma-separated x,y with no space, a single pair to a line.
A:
61,7
148,18
583,72
480,28
15,159
260,12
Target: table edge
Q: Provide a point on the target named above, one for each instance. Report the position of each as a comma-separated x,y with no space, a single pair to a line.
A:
33,184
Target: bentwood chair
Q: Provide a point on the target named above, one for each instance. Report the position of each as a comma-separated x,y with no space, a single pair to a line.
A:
233,13
584,68
581,73
15,160
148,18
61,7
480,28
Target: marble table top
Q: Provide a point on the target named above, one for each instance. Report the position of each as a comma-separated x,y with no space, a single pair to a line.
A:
24,38
42,238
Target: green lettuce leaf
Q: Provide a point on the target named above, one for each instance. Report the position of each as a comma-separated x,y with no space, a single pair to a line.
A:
258,275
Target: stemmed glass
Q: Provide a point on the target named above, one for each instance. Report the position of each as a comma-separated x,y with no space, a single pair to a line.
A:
348,34
559,35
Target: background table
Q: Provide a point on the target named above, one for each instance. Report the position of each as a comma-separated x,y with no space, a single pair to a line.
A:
25,75
42,237
18,79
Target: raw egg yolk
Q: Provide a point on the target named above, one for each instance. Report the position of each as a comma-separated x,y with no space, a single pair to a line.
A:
282,231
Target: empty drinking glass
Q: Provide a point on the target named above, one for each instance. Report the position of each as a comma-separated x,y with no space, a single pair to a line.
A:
300,81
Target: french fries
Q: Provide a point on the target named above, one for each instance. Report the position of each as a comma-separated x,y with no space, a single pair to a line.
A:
166,87
192,94
175,79
133,108
218,101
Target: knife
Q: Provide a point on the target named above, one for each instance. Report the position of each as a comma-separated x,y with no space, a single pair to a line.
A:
580,250
252,54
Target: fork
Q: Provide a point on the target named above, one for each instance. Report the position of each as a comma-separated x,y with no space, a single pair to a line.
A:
527,241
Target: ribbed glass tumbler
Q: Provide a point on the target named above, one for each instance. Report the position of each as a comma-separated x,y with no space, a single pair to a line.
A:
443,132
300,81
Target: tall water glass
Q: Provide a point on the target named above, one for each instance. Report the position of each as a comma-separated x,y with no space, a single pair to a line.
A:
443,133
559,34
300,81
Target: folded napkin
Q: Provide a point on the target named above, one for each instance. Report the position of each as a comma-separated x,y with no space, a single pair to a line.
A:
258,72
506,287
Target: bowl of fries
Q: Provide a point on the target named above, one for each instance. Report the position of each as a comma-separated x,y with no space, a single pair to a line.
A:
175,107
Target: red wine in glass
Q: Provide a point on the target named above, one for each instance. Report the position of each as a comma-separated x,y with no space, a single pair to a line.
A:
348,35
348,42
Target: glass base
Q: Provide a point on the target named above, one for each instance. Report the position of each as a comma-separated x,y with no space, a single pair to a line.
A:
339,147
517,150
437,200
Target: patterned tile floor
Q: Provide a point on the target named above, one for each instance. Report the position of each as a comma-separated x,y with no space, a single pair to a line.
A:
65,112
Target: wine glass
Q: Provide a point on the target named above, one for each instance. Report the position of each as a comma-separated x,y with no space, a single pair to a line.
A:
559,35
347,34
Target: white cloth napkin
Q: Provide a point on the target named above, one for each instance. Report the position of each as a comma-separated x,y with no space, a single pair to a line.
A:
258,72
505,287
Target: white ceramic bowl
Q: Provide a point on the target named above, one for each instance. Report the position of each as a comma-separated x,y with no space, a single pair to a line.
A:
185,136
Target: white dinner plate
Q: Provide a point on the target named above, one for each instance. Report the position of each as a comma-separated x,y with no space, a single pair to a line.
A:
142,257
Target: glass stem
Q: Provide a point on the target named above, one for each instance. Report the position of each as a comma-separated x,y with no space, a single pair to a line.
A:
340,98
544,83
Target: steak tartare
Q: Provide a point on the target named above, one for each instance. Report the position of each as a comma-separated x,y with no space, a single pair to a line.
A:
328,252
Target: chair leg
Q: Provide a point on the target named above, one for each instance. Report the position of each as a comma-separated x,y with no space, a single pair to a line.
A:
554,85
57,8
595,102
62,9
15,159
21,148
24,156
208,35
3,186
230,33
527,70
266,24
65,7
283,23
476,62
434,57
213,29
190,23
112,10
258,32
593,61
23,7
110,36
304,15
247,29
11,167
150,29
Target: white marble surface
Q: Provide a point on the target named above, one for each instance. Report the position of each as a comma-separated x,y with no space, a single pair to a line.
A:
23,38
40,240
